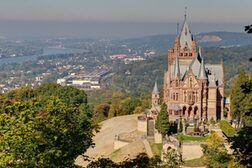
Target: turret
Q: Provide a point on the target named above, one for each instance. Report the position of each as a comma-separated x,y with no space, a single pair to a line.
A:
155,95
202,71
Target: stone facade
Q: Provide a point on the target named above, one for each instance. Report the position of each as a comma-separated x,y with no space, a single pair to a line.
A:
192,89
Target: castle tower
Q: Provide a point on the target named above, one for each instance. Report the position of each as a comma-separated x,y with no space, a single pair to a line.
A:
184,46
192,89
155,96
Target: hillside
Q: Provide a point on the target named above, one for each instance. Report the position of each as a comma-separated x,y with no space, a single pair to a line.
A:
143,74
210,39
224,39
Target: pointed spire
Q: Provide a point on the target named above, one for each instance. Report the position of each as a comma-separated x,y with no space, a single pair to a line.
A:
185,12
200,51
176,68
199,56
202,70
155,89
185,34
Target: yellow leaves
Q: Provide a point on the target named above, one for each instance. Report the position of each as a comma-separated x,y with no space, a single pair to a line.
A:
214,140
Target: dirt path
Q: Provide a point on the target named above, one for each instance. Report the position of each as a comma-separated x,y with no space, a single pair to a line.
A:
104,140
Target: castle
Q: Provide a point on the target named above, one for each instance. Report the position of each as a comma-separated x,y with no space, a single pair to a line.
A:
192,88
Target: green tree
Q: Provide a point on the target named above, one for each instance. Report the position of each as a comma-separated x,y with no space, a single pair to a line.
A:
129,105
40,132
237,96
215,153
242,145
140,161
115,110
171,159
246,103
162,122
102,163
101,112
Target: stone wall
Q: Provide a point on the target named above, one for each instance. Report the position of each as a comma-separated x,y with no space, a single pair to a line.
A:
142,123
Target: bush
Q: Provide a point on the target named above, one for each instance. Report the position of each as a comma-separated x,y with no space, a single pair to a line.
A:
227,129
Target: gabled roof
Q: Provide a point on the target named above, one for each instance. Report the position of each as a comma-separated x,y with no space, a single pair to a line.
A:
185,37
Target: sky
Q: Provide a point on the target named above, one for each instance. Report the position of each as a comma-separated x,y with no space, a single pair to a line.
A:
119,18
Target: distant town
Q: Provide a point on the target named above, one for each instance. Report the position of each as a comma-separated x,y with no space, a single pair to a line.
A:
85,64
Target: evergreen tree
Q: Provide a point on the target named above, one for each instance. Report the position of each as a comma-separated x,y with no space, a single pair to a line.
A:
242,145
237,96
162,122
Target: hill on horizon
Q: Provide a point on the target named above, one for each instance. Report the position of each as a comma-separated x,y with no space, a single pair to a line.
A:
162,42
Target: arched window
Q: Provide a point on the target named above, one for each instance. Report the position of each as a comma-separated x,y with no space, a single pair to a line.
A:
176,96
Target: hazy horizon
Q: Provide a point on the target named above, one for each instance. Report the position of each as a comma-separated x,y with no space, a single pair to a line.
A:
46,29
117,18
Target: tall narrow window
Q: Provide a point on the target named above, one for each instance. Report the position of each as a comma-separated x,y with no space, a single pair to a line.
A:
190,83
189,97
177,96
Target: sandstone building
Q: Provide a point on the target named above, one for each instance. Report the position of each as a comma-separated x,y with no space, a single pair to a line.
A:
193,89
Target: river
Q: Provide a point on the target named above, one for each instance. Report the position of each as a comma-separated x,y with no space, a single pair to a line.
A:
46,51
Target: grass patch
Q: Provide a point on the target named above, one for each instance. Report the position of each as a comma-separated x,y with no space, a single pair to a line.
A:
194,138
194,162
227,129
156,149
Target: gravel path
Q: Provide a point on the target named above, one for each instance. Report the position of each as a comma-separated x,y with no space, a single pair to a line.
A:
104,140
